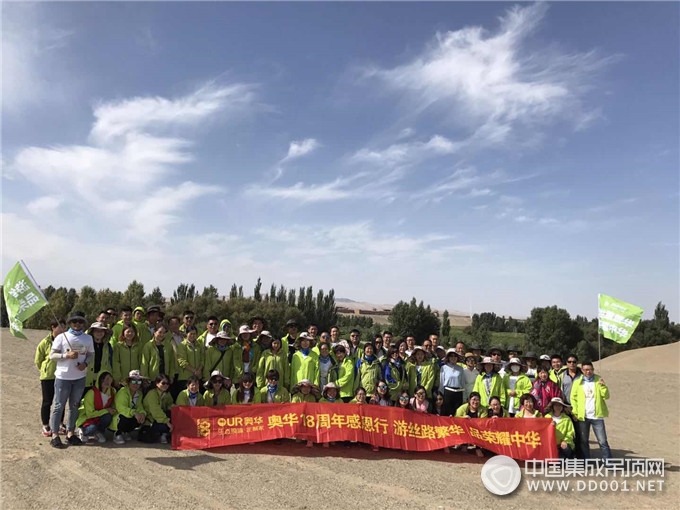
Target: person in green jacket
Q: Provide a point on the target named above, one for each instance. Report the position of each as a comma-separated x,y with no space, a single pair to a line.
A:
244,392
342,374
47,367
191,395
158,403
394,372
272,392
288,341
103,354
472,409
129,403
368,370
219,356
190,359
138,315
246,353
489,383
216,394
305,391
331,394
118,327
564,427
127,354
516,384
420,371
528,407
305,362
97,409
273,359
496,410
589,395
158,356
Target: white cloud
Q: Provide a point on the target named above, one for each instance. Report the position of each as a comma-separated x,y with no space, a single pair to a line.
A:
303,194
120,170
299,148
116,119
44,205
492,83
407,153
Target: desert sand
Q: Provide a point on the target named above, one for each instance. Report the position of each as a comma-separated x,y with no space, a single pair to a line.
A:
644,423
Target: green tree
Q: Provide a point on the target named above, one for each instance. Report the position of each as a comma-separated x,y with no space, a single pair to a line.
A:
87,303
210,292
551,330
661,320
233,293
134,294
411,318
183,292
257,295
446,325
155,298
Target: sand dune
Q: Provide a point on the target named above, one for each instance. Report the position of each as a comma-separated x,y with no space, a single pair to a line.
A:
658,359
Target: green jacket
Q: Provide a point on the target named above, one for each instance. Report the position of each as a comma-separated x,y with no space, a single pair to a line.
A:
428,374
156,405
88,409
564,430
497,389
144,334
117,329
225,365
300,397
336,401
461,412
239,365
537,414
368,374
46,365
151,362
126,359
190,356
342,374
280,395
223,398
304,367
522,386
270,361
183,399
396,379
578,399
123,403
106,365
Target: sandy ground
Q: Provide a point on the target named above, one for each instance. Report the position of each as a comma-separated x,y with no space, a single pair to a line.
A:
36,476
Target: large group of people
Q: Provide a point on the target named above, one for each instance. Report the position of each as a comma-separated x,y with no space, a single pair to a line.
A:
123,376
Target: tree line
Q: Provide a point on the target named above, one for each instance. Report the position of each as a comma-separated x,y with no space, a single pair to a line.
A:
548,329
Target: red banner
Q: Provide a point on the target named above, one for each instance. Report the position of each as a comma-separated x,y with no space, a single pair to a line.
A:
197,428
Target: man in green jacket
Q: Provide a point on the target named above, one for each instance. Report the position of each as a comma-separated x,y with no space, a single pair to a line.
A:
589,394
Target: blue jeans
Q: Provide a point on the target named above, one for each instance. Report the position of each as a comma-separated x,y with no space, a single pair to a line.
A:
600,434
104,422
66,390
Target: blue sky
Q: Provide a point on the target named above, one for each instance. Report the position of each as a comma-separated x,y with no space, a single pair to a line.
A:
491,156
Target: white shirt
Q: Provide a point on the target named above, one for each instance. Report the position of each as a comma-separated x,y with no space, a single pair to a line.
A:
589,390
67,368
208,339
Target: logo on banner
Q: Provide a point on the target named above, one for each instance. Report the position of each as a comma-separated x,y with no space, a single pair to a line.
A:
501,475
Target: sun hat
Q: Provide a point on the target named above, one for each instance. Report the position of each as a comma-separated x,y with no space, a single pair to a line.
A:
136,374
304,336
98,325
139,309
451,351
155,308
515,361
495,348
514,349
330,386
267,334
544,357
530,355
489,360
76,317
292,322
556,400
470,355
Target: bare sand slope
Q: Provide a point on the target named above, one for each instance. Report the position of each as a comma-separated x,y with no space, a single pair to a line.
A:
35,476
660,359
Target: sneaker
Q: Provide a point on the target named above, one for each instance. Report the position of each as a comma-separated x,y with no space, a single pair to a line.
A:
164,439
62,430
56,443
101,438
127,436
74,441
81,435
119,439
46,431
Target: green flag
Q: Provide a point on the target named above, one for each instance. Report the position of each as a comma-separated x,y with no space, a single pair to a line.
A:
23,297
617,319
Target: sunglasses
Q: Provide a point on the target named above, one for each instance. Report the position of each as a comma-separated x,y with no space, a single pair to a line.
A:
420,394
135,381
165,383
212,324
382,387
571,361
403,399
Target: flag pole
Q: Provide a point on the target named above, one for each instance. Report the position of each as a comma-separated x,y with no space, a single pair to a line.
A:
599,337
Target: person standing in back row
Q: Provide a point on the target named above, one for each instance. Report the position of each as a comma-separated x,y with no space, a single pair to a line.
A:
73,350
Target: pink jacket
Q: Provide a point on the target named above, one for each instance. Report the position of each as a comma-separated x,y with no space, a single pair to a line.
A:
544,393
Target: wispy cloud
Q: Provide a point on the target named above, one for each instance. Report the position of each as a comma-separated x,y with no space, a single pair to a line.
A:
491,82
299,148
120,169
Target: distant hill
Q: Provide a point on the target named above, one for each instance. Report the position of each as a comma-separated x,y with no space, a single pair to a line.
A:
380,312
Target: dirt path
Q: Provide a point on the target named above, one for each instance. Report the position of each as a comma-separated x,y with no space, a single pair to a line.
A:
35,476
